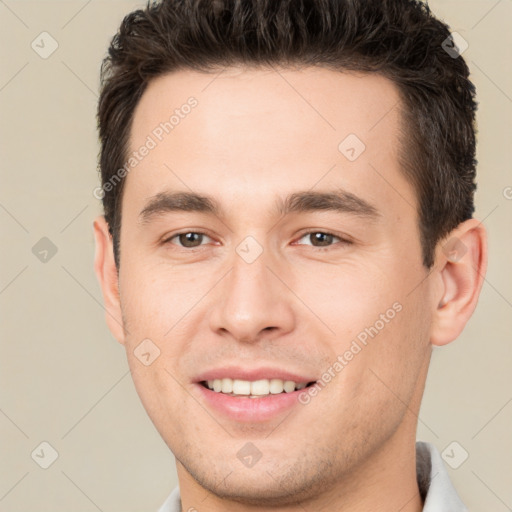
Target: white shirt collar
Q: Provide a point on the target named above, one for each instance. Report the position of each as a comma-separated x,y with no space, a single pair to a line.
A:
433,480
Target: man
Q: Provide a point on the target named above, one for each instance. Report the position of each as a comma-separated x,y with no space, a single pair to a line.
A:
288,195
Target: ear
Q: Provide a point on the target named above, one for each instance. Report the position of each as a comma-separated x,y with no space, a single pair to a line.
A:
106,272
461,261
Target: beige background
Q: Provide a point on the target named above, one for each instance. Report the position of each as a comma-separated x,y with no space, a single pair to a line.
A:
64,379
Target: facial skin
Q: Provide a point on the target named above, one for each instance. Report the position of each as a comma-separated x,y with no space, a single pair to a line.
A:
257,135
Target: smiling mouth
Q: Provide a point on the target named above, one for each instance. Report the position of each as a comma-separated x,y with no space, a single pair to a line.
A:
253,389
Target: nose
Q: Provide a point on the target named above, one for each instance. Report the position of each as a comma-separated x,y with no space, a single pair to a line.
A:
253,301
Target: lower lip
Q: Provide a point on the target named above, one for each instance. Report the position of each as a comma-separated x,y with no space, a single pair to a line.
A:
247,409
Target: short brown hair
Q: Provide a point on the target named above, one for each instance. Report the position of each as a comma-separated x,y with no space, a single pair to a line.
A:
399,39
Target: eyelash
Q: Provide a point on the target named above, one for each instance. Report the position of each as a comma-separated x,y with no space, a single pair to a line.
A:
342,241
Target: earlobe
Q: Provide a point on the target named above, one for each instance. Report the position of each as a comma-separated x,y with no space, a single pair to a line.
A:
106,272
461,259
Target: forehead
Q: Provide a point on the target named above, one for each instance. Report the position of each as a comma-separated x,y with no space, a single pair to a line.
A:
327,103
262,127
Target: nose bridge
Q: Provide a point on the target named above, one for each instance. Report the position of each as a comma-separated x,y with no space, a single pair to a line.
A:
251,298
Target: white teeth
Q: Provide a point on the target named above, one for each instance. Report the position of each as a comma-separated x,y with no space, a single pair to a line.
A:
260,387
289,386
254,388
227,385
241,387
276,386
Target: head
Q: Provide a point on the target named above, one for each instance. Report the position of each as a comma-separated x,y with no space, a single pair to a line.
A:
320,156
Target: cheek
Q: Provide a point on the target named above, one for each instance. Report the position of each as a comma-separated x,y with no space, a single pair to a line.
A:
381,334
154,369
154,307
394,355
349,298
155,298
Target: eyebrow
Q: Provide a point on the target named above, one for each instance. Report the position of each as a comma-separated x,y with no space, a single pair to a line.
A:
340,201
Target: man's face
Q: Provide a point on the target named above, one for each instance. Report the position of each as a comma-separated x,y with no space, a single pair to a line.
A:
262,283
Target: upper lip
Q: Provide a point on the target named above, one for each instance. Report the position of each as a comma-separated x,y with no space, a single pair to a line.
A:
252,374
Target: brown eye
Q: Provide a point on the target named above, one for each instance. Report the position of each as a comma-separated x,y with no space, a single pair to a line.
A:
189,240
320,239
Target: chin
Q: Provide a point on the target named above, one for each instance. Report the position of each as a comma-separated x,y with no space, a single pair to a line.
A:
264,485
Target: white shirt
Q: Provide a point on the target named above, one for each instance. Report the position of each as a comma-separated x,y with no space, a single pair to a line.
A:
433,481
